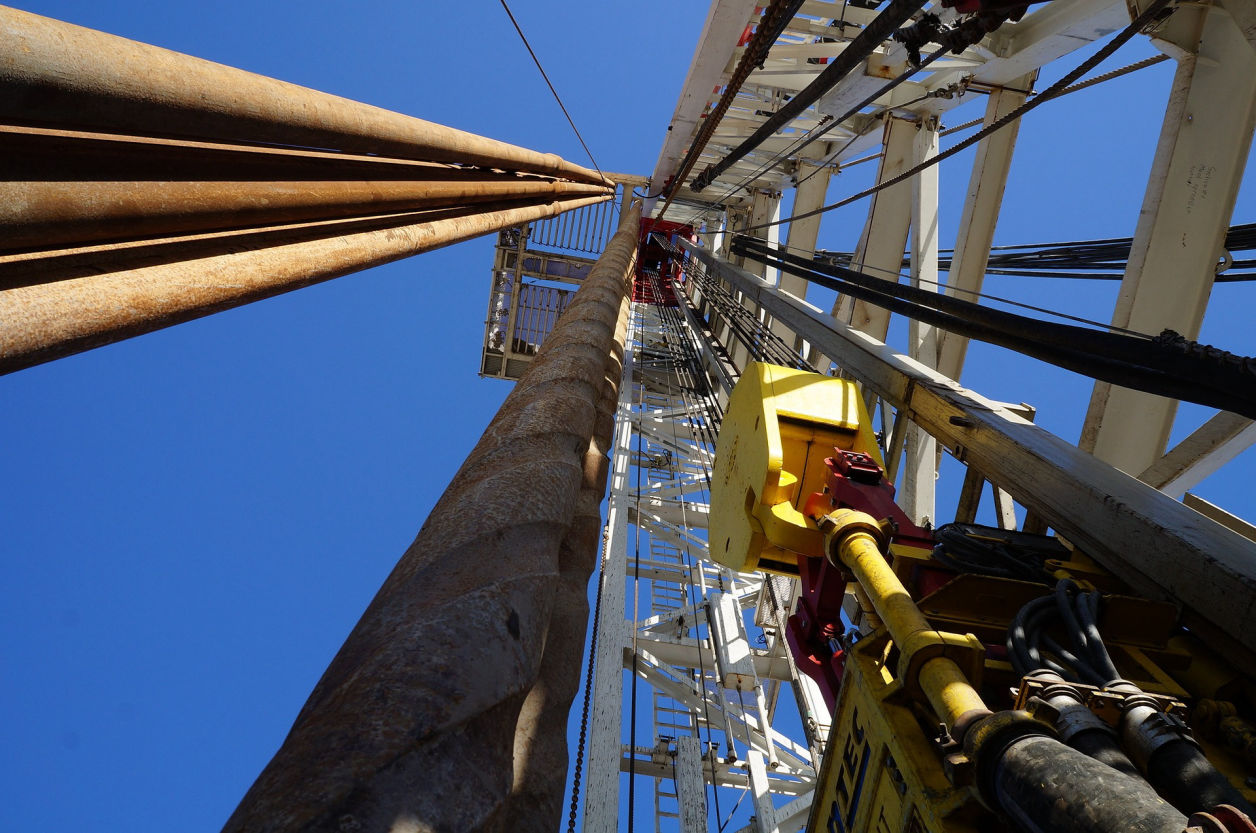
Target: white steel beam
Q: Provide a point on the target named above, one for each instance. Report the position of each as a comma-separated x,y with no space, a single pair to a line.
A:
920,466
880,249
717,44
981,213
764,810
690,785
1208,448
1216,513
688,653
601,802
725,775
1186,210
811,187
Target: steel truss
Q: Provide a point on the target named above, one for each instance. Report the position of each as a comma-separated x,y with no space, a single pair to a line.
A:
714,686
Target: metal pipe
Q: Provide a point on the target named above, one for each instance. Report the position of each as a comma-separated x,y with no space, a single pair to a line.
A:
46,214
417,719
852,538
63,75
56,318
540,757
1047,787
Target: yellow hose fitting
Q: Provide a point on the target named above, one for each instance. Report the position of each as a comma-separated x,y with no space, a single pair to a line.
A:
838,526
940,667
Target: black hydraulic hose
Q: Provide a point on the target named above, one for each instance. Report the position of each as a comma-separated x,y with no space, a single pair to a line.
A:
1084,673
1104,748
1017,646
1187,780
1045,786
1033,627
1064,606
1088,613
895,14
1170,758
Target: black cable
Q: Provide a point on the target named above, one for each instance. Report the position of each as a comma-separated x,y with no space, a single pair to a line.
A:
1155,365
844,259
1088,614
1072,627
1030,647
557,98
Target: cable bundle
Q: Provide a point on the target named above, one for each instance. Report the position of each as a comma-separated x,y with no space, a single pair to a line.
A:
1030,647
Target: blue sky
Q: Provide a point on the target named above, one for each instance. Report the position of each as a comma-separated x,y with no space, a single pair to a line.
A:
193,520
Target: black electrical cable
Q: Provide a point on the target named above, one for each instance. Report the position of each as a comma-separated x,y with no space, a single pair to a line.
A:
1158,365
1030,647
844,269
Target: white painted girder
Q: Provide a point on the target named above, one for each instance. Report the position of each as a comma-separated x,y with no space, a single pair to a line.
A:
725,22
1186,210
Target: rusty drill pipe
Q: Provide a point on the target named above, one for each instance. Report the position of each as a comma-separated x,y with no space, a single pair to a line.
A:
416,720
47,214
55,73
46,321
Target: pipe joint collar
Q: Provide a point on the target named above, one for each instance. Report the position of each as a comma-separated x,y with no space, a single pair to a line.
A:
986,741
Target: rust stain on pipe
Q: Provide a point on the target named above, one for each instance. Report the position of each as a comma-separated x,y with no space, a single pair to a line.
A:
59,74
46,214
415,722
45,321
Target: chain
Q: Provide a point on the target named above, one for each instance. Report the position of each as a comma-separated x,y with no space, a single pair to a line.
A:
588,694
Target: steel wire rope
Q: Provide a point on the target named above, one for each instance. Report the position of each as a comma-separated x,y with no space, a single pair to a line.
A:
1055,90
1099,79
884,25
758,351
933,56
550,84
764,336
588,694
740,320
588,681
759,354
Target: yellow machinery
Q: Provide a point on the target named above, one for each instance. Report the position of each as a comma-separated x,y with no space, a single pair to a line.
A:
979,679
